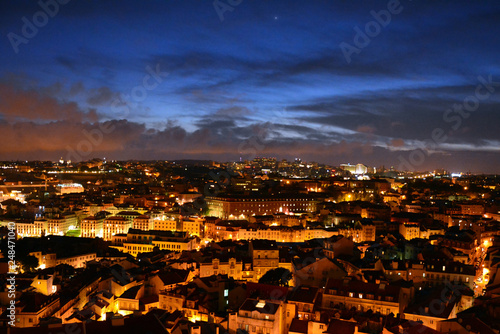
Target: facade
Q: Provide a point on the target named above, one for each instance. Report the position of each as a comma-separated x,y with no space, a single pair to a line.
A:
138,241
259,316
338,245
49,260
34,307
31,228
265,256
192,225
164,224
69,188
383,298
129,215
472,209
441,273
283,233
92,227
77,261
115,225
143,222
231,267
358,232
57,226
43,284
45,260
303,299
409,231
244,207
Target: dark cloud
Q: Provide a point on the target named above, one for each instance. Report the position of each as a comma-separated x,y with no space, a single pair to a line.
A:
34,105
102,96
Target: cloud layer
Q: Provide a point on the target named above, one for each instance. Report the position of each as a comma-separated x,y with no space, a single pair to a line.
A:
270,79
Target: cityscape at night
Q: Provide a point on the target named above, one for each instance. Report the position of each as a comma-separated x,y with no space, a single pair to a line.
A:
249,167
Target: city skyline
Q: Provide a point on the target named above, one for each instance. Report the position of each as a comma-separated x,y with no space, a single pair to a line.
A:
397,83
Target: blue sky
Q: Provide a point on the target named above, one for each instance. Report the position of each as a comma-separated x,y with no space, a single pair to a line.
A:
270,79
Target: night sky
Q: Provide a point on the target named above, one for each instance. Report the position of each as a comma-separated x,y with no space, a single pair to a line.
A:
319,80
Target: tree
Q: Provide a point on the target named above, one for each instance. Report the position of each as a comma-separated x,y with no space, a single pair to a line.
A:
28,263
278,276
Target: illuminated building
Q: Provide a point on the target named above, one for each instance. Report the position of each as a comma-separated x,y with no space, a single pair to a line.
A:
409,231
349,293
358,232
77,261
128,302
138,241
92,227
115,225
192,225
265,256
143,222
34,306
471,209
259,316
354,169
31,228
164,224
231,267
61,223
49,260
441,272
283,233
243,207
43,283
129,215
69,188
304,299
